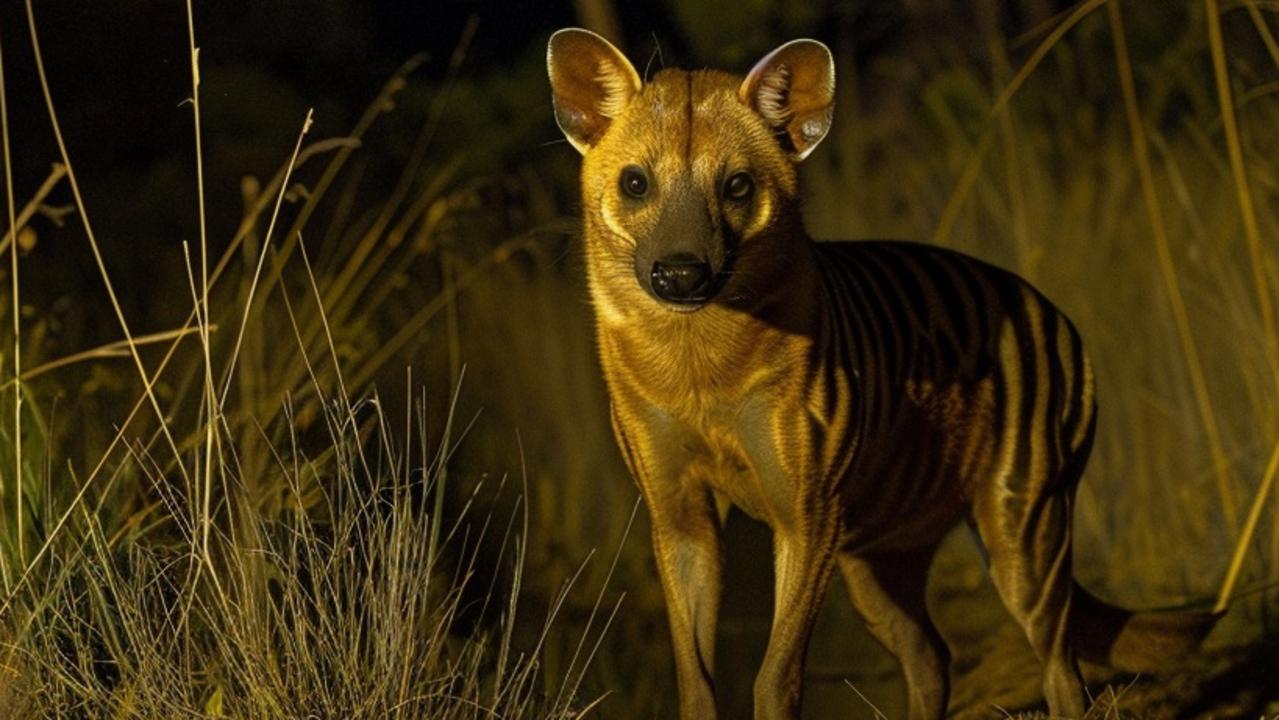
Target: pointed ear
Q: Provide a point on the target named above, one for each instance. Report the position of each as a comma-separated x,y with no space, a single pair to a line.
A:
591,83
793,88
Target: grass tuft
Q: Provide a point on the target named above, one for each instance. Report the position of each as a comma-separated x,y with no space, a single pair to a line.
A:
340,611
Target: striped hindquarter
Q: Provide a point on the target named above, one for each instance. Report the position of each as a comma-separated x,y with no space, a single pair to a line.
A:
974,399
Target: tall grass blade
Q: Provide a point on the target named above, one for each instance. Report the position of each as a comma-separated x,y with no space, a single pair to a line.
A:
1249,528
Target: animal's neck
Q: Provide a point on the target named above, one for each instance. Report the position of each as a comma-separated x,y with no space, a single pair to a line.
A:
689,362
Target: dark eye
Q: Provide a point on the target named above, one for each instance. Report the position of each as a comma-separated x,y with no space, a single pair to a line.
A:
739,186
634,181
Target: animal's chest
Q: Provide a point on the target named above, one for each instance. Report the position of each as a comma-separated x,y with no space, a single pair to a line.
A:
738,423
749,450
740,446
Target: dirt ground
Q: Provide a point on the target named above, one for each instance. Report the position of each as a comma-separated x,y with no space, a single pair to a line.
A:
999,676
996,675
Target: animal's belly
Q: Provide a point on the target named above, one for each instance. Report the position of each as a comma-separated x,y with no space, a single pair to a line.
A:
914,479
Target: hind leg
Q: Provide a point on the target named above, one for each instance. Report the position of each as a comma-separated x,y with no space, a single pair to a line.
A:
1028,539
888,590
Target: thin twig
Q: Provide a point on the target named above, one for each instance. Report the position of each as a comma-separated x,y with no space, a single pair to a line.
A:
33,206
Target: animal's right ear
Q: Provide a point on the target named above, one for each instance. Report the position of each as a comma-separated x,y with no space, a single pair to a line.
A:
591,83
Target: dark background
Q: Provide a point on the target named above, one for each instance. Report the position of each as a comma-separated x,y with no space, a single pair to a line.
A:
119,74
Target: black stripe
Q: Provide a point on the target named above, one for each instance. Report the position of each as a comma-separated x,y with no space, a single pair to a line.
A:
866,326
915,485
1075,413
1026,352
982,344
998,415
948,312
903,269
1056,380
839,354
887,309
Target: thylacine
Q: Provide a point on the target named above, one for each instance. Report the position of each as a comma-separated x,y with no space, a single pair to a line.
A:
859,398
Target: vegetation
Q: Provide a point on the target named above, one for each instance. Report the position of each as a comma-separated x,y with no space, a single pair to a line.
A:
248,507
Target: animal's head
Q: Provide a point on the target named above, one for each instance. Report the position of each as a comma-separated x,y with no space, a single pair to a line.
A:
689,179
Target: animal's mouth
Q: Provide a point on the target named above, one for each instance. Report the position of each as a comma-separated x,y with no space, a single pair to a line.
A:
700,301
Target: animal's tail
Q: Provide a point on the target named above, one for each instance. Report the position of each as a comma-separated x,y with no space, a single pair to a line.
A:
1133,641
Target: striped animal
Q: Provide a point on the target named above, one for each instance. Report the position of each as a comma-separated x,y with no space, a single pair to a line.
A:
860,398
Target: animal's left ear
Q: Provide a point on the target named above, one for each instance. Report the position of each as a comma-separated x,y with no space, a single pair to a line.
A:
793,88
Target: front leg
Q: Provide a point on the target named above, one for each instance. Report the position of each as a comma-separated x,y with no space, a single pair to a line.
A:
785,451
686,544
803,558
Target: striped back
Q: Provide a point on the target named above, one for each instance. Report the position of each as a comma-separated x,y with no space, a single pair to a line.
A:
964,374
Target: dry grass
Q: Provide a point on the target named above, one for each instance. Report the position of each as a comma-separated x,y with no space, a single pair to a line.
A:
259,542
340,611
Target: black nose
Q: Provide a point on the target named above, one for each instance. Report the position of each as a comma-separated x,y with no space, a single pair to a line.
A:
682,278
